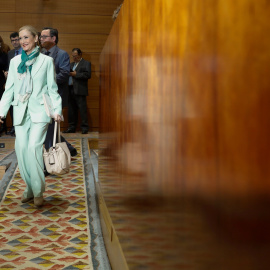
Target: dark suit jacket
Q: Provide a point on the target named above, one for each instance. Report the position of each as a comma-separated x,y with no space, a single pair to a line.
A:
62,69
3,67
83,74
11,54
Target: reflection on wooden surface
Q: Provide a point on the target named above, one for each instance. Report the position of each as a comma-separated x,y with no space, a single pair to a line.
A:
184,116
181,89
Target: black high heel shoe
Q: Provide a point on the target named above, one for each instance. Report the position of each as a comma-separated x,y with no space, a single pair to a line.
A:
11,132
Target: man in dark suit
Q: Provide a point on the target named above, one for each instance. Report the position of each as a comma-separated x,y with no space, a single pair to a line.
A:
14,39
78,90
49,40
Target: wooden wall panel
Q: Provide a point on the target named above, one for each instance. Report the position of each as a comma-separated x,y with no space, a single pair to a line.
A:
66,23
184,123
7,22
7,6
93,99
93,83
243,97
89,43
93,91
95,7
83,24
93,118
93,58
198,111
194,83
141,94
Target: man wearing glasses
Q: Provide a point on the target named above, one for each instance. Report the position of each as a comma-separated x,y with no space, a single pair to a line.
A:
48,41
14,39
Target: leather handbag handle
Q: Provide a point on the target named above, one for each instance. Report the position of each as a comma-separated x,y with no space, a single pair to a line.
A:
56,127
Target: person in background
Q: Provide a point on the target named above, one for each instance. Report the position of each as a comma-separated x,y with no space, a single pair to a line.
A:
78,90
29,75
3,67
49,40
14,39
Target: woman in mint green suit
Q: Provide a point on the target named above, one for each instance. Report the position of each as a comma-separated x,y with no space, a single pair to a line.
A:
30,75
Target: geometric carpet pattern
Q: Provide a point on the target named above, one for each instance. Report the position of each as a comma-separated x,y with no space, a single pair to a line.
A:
56,236
152,234
4,153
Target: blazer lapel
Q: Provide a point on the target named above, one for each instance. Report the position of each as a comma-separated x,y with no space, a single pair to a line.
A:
78,64
37,64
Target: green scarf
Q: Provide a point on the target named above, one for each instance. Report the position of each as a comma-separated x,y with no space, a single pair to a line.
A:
28,60
25,73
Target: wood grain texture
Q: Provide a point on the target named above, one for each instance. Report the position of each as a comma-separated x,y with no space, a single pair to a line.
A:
90,7
7,22
87,43
184,121
194,83
65,23
7,6
243,97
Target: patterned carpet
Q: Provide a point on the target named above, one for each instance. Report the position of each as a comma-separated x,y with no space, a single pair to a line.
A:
60,235
4,153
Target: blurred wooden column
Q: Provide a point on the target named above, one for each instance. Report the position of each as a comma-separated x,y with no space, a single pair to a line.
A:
184,123
184,96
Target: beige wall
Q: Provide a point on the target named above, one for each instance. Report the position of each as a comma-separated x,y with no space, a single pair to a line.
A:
83,24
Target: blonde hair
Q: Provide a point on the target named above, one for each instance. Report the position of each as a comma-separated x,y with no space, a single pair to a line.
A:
30,29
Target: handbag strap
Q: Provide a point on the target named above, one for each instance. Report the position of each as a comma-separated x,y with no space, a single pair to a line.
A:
56,127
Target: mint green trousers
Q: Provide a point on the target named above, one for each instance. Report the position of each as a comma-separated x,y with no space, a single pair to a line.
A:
29,147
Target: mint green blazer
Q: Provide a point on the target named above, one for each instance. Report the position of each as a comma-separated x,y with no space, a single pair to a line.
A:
43,76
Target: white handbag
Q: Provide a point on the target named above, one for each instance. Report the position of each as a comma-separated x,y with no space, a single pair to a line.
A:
57,159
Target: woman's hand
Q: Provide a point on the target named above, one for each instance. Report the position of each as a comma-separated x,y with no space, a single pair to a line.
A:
1,119
57,117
